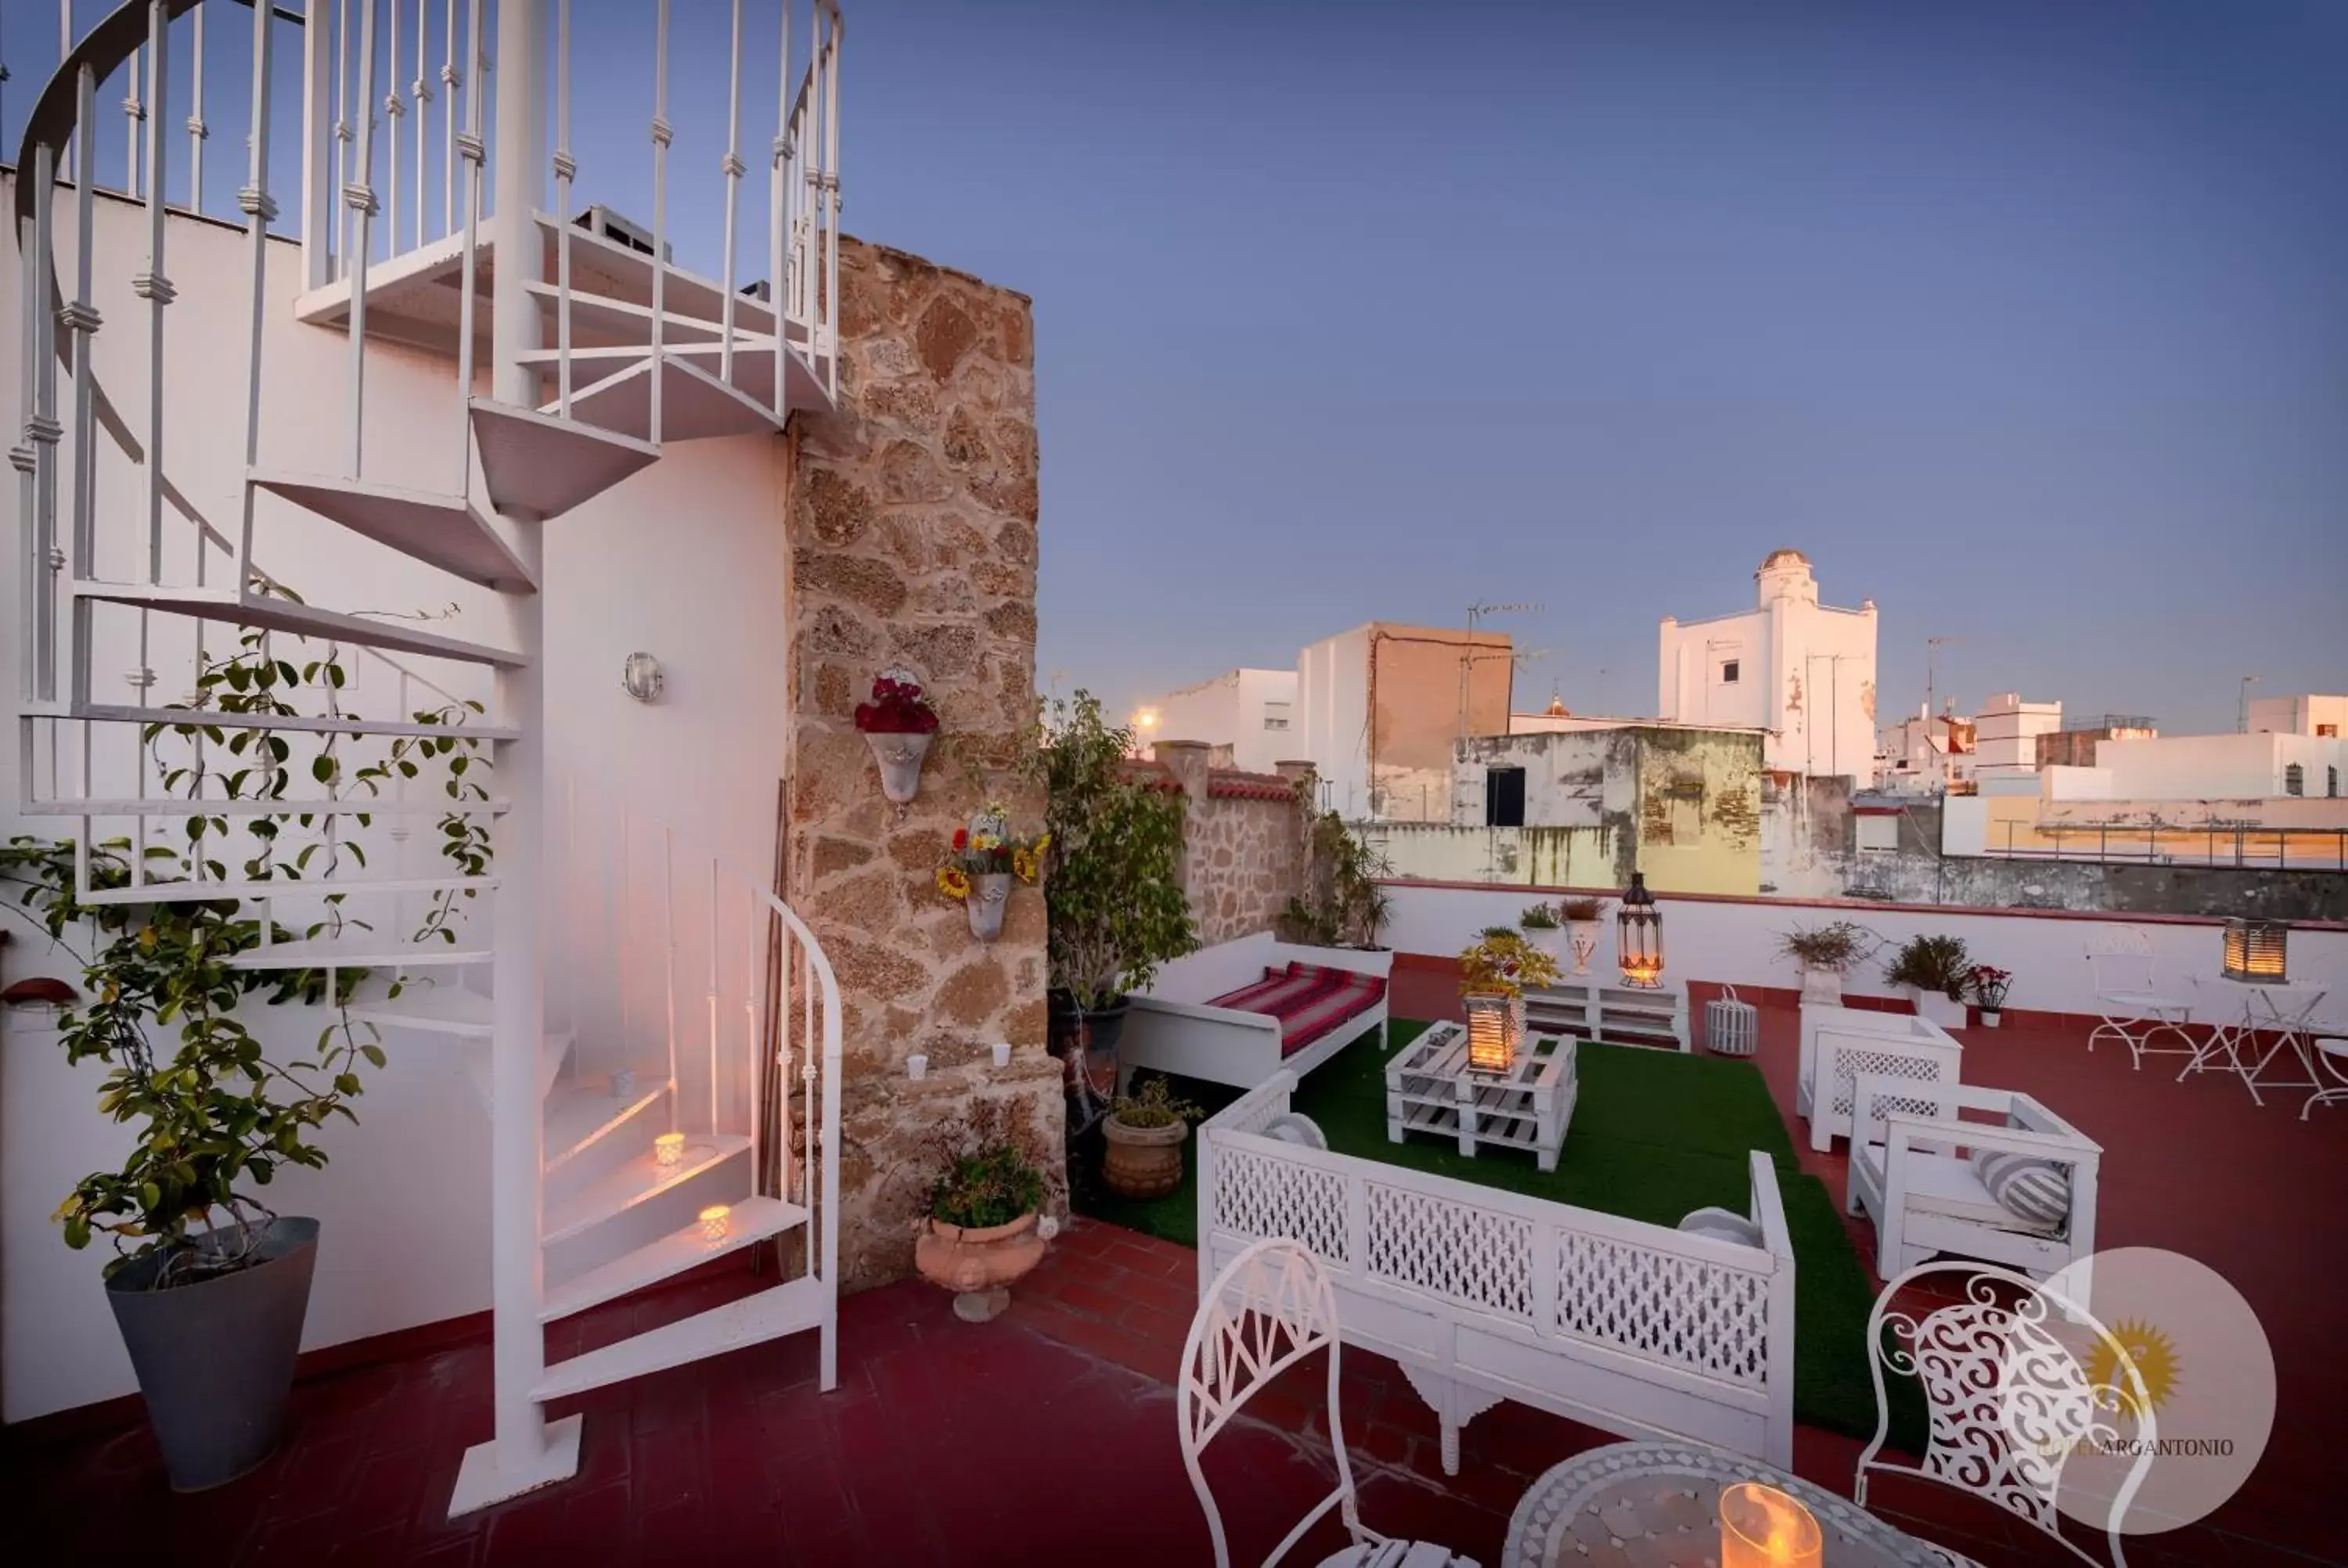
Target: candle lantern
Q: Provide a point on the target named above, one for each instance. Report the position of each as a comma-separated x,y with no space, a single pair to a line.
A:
716,1220
2254,951
1638,936
668,1148
1761,1527
1495,1028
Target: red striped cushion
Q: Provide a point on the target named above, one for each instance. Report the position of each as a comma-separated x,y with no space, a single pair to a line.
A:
1309,1000
1270,994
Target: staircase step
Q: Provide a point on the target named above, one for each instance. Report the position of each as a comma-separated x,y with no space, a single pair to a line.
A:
312,723
553,1049
786,1308
546,464
639,1181
599,317
579,1119
439,531
362,950
694,404
606,267
301,620
752,1220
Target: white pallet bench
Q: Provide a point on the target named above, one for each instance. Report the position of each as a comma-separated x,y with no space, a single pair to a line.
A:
1610,1015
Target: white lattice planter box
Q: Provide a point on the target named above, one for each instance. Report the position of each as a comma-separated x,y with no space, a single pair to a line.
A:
1840,1044
1482,1295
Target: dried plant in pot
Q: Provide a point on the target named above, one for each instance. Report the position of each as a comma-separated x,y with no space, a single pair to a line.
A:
984,1227
1543,929
1144,1135
1822,955
899,722
1934,970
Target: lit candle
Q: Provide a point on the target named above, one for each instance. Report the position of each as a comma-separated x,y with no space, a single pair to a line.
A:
1761,1527
668,1148
715,1220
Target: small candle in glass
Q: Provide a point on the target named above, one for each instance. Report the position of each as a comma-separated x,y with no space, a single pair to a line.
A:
1761,1527
668,1148
714,1222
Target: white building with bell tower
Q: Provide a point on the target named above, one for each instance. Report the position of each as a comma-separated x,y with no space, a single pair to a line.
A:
1801,671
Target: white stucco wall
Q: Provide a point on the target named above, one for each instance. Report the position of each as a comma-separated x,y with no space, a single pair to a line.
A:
1804,672
686,561
2305,714
1734,941
1332,715
2216,767
1234,709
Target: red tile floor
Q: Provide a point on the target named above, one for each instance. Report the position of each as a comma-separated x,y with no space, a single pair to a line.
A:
1047,1436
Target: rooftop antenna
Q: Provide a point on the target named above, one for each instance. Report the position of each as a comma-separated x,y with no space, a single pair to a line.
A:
2242,706
1932,646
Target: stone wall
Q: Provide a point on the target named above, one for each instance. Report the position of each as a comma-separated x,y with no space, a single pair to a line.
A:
913,523
1244,839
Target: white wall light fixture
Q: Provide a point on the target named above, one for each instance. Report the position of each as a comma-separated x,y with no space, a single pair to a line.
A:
641,678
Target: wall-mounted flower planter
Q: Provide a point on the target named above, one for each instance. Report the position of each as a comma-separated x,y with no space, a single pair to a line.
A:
990,894
900,756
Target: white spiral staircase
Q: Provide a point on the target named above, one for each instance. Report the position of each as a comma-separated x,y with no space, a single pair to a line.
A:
590,1041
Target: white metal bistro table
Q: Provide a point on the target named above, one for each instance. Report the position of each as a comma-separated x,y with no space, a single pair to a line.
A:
1657,1505
2284,1011
1430,1088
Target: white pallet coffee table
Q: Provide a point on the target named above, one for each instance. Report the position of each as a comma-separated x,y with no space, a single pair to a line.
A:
1431,1089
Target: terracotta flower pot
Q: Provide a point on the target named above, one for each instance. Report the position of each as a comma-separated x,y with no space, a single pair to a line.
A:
969,1261
1142,1162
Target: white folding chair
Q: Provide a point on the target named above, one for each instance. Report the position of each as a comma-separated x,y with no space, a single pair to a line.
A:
2133,1009
2330,1055
1269,1308
2008,1374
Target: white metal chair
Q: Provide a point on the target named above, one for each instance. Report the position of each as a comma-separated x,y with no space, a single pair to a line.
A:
1924,1198
2332,1056
2133,1008
1269,1308
2009,1373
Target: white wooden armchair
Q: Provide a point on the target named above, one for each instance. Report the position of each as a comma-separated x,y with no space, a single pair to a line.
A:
1842,1043
2013,1183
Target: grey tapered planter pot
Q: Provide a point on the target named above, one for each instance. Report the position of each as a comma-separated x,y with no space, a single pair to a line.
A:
215,1360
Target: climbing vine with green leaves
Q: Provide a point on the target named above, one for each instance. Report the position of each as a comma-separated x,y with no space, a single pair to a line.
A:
217,1114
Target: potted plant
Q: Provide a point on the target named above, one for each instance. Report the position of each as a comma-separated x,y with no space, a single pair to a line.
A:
983,1227
1542,928
1145,1133
1933,969
1112,861
899,722
1503,963
1344,903
1823,954
1585,922
209,1285
1988,985
985,861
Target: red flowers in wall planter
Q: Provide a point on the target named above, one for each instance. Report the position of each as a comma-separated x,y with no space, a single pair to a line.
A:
899,724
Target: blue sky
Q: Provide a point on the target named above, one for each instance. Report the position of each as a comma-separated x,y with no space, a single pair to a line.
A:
2026,318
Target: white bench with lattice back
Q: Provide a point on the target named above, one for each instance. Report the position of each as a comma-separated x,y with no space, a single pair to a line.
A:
1840,1043
1481,1295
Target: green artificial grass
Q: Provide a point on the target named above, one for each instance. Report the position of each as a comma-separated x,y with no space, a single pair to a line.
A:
1654,1135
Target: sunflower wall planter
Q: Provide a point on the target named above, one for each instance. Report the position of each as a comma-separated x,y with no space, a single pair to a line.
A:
987,861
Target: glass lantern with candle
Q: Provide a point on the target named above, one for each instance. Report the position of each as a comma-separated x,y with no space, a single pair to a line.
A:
1761,1527
2255,952
1638,936
1493,977
715,1221
668,1148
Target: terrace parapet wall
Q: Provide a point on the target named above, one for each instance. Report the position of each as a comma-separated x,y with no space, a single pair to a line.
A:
912,520
1244,837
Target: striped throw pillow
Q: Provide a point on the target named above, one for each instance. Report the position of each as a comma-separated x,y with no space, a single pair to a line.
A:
2028,1186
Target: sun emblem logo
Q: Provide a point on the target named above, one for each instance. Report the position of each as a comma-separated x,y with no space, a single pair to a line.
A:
2153,1353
